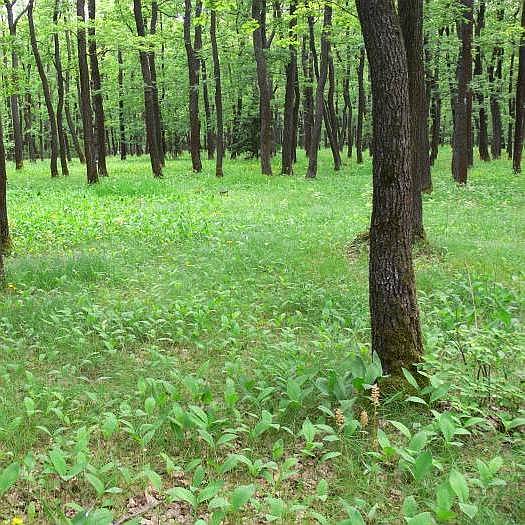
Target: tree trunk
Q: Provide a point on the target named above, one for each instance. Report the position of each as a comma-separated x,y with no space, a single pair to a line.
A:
29,137
483,138
308,96
520,101
210,139
289,130
263,81
495,110
98,104
411,20
193,77
149,104
361,101
331,115
4,223
218,94
435,109
121,124
60,90
511,107
462,115
319,93
46,91
13,98
396,333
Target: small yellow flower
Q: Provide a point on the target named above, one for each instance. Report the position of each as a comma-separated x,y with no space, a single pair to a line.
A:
17,520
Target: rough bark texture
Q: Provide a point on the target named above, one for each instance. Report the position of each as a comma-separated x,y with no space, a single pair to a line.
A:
210,139
46,91
218,94
14,98
319,93
511,107
121,123
520,101
289,130
149,105
483,136
411,19
85,97
435,109
396,333
494,76
263,81
308,96
463,96
4,223
60,89
193,78
331,118
361,101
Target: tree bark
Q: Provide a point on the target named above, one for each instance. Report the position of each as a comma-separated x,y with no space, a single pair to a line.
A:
520,101
60,90
308,96
494,76
4,222
289,130
218,94
396,333
331,116
263,81
462,113
14,97
149,104
511,107
121,115
411,20
46,91
193,78
210,139
361,101
319,93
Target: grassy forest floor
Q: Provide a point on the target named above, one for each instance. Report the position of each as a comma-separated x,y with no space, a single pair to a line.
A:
199,348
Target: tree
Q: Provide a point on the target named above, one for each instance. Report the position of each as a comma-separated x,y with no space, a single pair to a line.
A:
396,333
85,96
122,126
260,44
4,222
361,101
98,105
218,93
520,100
193,78
46,91
463,96
319,93
411,19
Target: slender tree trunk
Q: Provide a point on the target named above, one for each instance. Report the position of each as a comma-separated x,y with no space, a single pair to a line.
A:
462,115
121,122
218,94
511,107
60,90
4,222
29,137
495,109
520,101
14,97
308,97
331,115
193,77
483,136
210,139
361,101
289,131
157,114
435,109
319,93
263,81
149,104
46,91
411,20
396,333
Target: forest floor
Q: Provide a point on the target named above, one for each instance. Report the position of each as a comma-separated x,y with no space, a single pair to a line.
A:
190,348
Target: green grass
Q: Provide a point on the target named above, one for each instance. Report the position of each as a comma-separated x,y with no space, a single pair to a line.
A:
185,288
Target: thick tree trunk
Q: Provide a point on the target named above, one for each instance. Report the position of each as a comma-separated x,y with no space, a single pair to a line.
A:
60,90
218,94
361,101
435,109
193,78
483,136
46,91
14,97
319,93
396,333
149,103
121,122
494,76
98,104
289,130
462,113
520,101
411,20
264,84
85,96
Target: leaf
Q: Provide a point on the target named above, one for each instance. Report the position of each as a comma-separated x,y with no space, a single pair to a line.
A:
469,509
153,478
423,465
410,378
328,456
424,518
59,462
419,441
97,484
458,484
444,497
8,477
149,405
410,507
241,495
415,399
182,494
402,428
109,426
293,389
210,491
354,516
29,405
447,427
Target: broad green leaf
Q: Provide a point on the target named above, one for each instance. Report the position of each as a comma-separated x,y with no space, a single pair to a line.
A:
424,518
422,465
410,378
182,494
8,477
458,483
241,495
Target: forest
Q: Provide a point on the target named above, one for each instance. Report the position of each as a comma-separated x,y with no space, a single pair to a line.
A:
262,262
